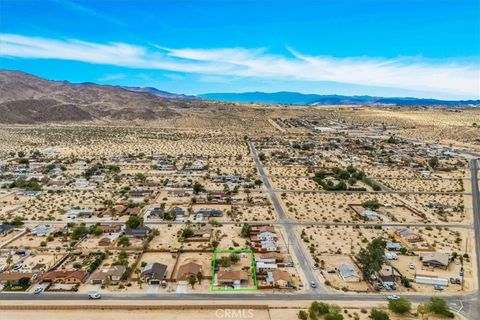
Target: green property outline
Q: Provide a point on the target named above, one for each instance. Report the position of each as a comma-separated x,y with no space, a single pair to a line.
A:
254,271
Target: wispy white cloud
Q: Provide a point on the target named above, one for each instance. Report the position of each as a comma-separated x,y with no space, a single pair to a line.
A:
413,73
90,12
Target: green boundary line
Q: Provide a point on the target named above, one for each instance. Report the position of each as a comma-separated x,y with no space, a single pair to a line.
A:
253,266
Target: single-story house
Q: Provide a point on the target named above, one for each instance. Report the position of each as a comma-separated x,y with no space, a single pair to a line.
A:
197,165
201,233
104,242
264,236
348,273
16,277
229,277
280,278
407,234
138,195
210,212
387,275
269,245
180,193
64,276
112,273
265,264
369,214
111,228
393,246
182,184
435,259
139,232
82,184
391,256
83,212
29,193
5,229
277,257
156,212
118,209
42,230
179,213
154,273
165,166
186,270
260,229
98,178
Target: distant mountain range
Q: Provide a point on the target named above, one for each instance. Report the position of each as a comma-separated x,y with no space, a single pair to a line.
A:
296,98
159,93
25,98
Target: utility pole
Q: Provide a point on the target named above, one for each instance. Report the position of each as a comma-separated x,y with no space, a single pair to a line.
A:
288,244
462,274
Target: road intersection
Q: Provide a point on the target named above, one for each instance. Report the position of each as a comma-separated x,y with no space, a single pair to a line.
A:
468,305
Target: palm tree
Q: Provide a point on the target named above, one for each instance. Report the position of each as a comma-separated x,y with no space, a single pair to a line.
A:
137,272
199,277
192,280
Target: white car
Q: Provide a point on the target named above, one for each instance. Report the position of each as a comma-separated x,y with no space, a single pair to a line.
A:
411,265
393,297
94,296
38,290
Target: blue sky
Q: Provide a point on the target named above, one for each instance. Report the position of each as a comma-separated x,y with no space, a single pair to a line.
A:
423,48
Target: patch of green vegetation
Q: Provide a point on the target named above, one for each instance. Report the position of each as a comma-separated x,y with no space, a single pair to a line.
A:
229,260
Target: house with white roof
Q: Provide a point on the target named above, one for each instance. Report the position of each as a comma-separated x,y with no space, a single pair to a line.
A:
369,214
42,230
348,273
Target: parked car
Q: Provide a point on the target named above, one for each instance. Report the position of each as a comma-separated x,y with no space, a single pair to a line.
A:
438,287
393,297
94,296
377,285
458,281
38,290
387,287
411,265
452,280
313,284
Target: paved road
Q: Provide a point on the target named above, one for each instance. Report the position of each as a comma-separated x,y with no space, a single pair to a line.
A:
300,191
372,192
433,178
292,240
225,296
476,222
464,304
276,223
